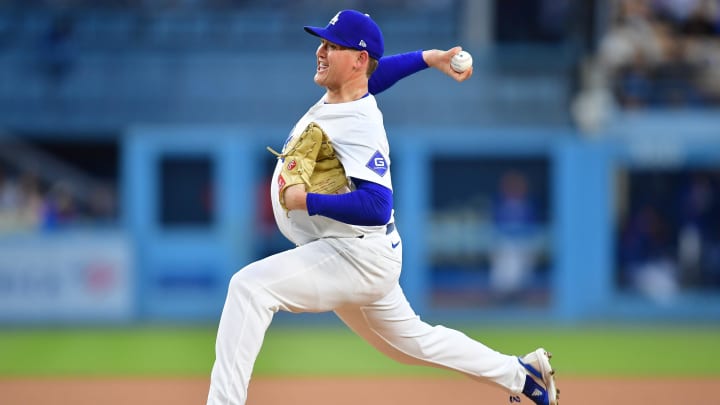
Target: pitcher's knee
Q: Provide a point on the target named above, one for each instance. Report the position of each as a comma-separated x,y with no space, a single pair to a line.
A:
243,285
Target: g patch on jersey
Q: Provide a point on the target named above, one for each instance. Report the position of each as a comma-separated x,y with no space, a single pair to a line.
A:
378,164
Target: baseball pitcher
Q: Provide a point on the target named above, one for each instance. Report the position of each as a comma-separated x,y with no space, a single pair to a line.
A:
332,195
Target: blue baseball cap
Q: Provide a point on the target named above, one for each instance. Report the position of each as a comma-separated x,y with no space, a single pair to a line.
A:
353,29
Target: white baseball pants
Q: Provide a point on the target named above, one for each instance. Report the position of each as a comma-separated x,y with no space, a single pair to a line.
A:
357,278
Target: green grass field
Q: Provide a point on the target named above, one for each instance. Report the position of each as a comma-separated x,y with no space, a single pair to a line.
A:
189,351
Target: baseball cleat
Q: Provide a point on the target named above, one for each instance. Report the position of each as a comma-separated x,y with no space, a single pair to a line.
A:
540,380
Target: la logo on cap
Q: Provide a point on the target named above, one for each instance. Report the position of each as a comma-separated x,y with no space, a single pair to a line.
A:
337,16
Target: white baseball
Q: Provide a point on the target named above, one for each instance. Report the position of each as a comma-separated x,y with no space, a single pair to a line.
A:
461,61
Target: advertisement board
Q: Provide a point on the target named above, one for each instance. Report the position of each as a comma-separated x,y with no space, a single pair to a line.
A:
65,277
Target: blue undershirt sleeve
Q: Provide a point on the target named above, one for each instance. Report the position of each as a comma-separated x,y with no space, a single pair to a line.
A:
393,68
369,205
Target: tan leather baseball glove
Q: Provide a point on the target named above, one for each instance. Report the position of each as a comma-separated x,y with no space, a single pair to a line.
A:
310,159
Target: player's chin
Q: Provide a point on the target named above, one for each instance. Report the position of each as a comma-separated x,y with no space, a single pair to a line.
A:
320,78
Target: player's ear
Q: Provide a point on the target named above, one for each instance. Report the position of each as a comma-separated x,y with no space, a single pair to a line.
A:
362,59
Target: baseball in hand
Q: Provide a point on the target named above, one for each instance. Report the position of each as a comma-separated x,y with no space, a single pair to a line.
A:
461,61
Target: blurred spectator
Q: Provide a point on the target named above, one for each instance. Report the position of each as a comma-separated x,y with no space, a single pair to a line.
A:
21,203
25,206
656,53
647,254
675,79
515,219
671,239
60,208
633,37
30,210
633,86
698,232
594,105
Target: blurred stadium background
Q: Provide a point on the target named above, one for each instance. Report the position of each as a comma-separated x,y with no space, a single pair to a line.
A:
574,179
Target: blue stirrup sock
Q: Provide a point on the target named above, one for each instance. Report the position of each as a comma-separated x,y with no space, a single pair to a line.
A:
535,391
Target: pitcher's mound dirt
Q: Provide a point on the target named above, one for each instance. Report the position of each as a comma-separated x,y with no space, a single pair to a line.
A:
350,391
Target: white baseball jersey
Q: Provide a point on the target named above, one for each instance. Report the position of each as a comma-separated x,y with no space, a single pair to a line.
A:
357,133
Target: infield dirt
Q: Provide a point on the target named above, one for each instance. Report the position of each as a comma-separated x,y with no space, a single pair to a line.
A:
350,391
